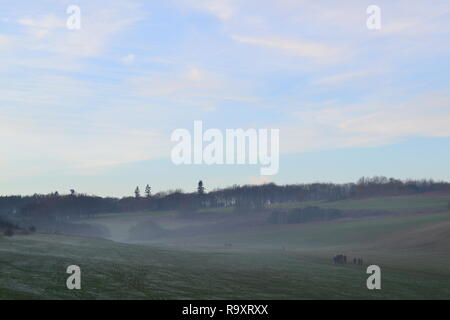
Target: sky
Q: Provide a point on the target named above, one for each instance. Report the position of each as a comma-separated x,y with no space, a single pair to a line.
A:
94,109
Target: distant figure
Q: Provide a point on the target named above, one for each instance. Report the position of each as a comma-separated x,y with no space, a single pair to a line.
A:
340,258
354,260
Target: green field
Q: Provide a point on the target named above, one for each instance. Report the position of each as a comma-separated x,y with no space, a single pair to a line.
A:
414,203
264,262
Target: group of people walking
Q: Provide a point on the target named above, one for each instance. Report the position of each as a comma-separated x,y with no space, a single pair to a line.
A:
342,259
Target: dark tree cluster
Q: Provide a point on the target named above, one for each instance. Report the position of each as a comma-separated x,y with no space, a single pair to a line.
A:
73,206
4,224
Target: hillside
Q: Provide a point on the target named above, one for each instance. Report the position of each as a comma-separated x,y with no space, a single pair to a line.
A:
261,262
34,267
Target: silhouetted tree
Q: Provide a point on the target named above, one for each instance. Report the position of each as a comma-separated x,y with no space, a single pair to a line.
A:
200,188
137,193
148,191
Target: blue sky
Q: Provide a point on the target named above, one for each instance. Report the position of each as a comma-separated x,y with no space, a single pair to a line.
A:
93,109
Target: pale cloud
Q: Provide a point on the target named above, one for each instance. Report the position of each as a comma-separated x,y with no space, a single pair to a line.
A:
44,22
282,26
296,47
113,148
94,148
5,41
43,90
363,125
349,76
427,115
415,18
222,9
70,95
192,86
310,138
129,59
190,82
99,25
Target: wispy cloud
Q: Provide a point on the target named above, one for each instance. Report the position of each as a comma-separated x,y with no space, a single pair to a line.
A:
194,86
4,41
349,76
128,59
110,93
222,9
369,124
41,27
296,47
98,25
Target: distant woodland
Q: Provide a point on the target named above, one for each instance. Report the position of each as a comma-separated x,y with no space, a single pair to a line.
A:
73,206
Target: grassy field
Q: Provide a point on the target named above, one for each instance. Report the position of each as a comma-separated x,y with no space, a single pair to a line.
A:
34,267
264,262
414,203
